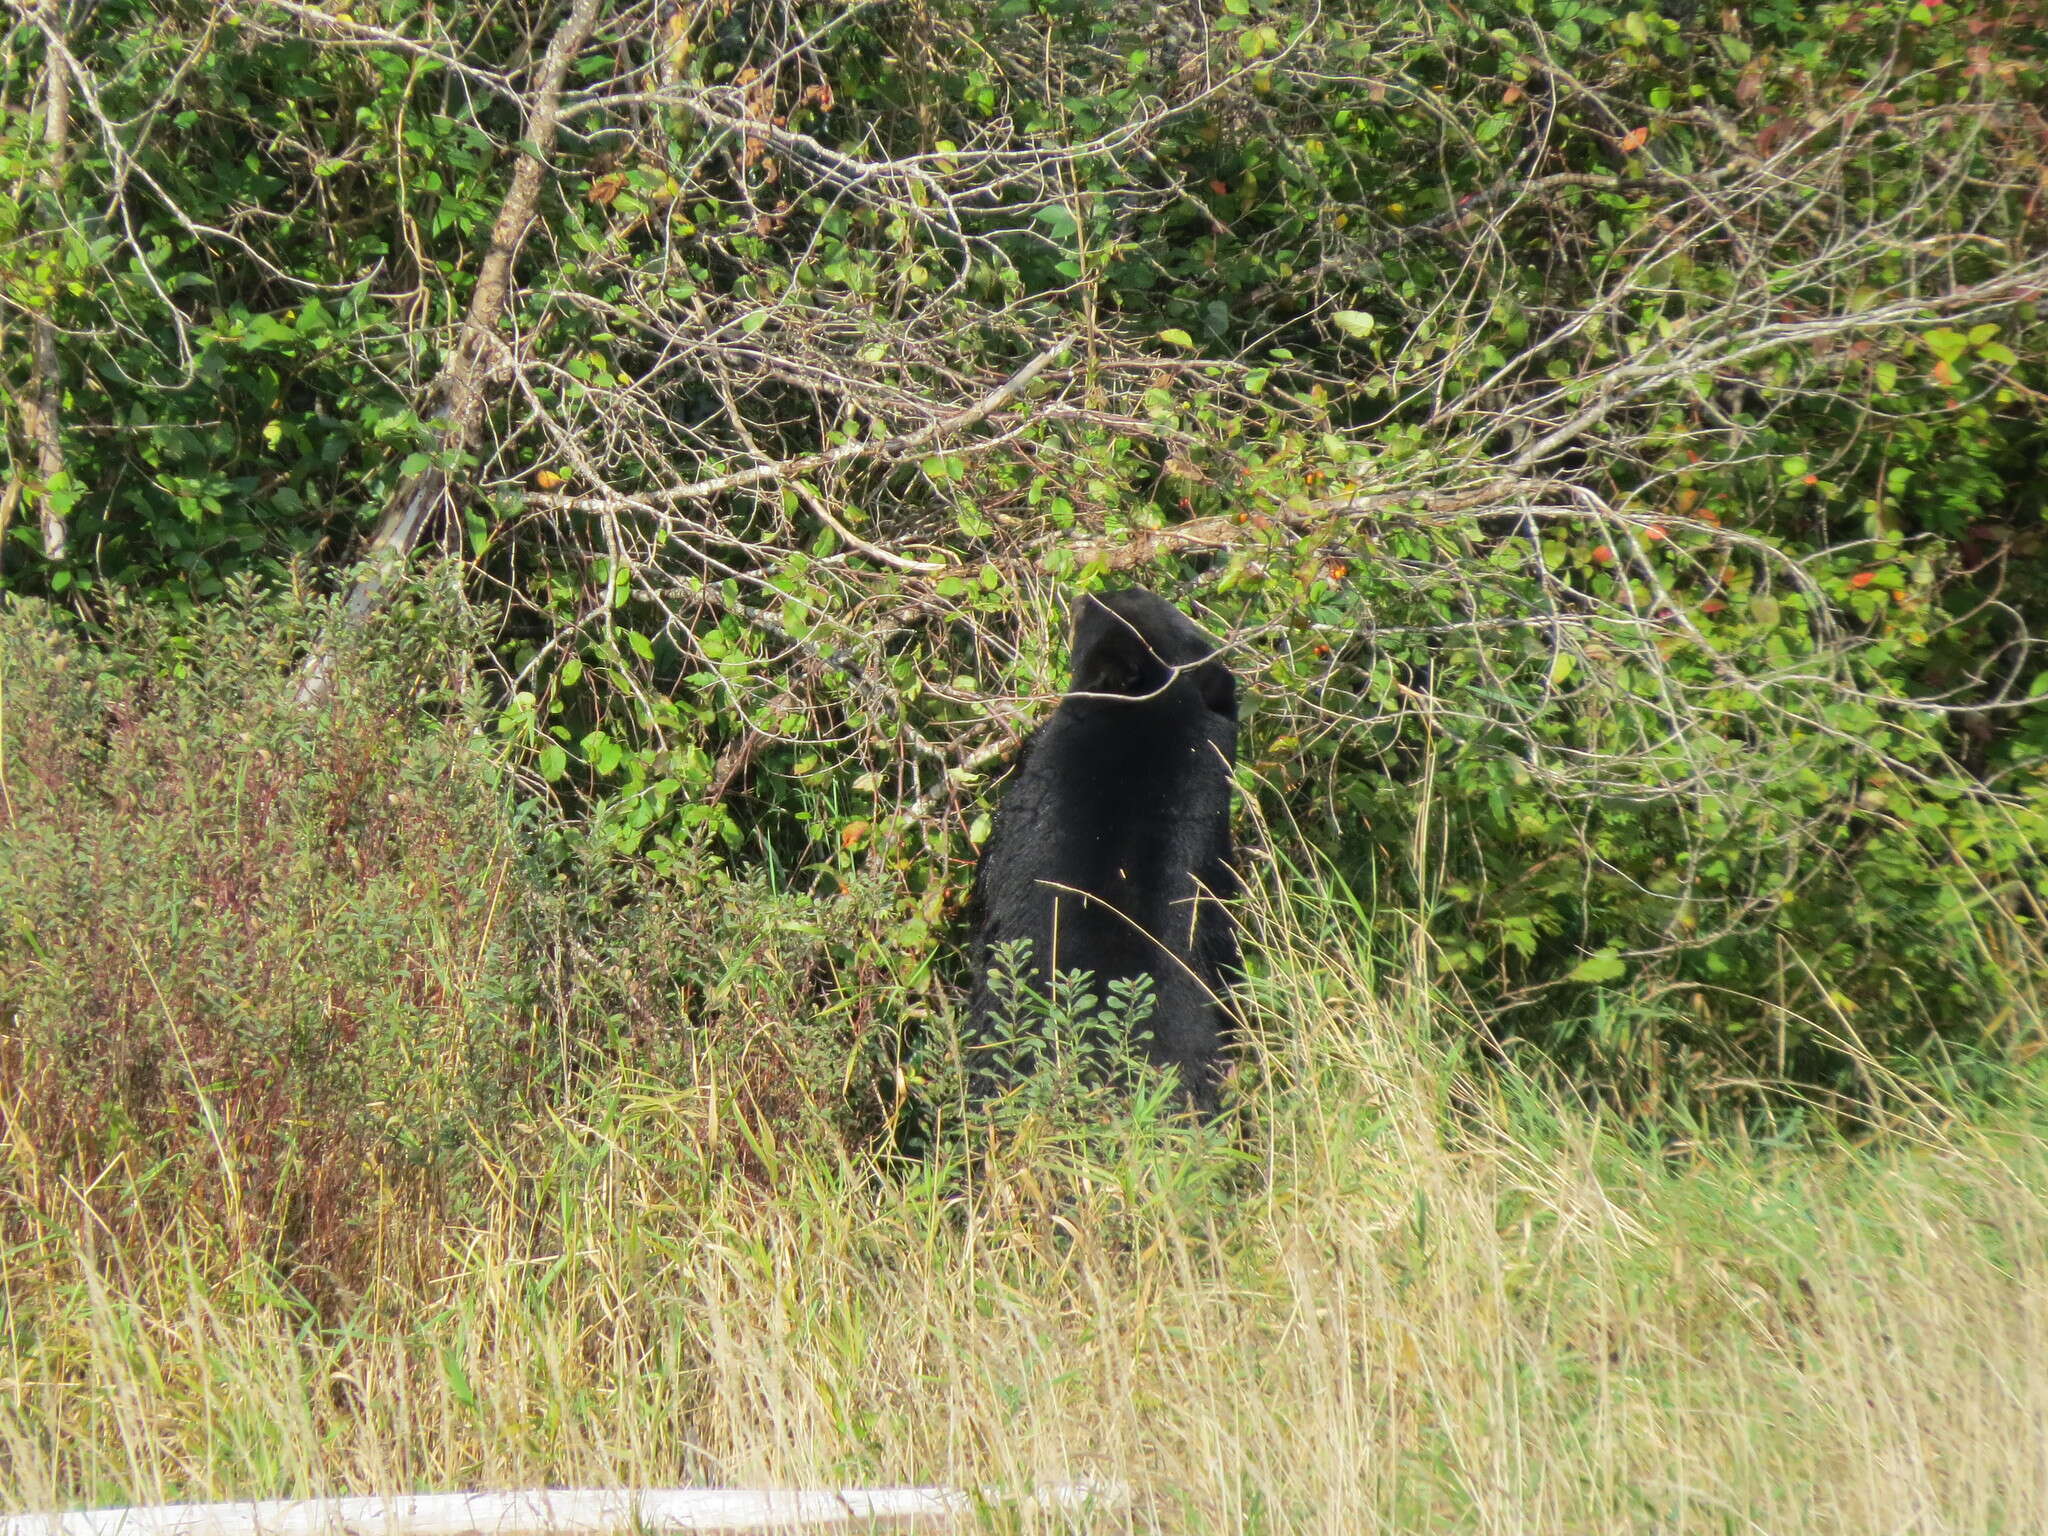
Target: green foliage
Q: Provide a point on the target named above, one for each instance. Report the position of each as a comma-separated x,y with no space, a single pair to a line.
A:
1611,440
267,946
1065,1056
1656,849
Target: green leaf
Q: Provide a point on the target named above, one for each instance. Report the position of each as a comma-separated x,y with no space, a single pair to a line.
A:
554,761
1604,965
1057,219
1354,322
601,752
1947,345
1179,339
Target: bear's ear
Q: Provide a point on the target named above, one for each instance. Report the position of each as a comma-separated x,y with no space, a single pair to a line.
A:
1113,658
1218,688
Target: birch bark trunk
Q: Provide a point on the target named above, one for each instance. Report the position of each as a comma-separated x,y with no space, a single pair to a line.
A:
461,391
43,410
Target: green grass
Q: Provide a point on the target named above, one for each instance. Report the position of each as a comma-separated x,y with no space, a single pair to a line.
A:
1393,1296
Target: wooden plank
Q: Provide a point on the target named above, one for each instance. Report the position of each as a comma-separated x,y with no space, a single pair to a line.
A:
560,1512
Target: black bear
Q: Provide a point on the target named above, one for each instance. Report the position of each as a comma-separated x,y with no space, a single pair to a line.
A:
1111,848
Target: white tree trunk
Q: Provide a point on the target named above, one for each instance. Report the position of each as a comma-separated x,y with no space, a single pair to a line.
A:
44,416
460,390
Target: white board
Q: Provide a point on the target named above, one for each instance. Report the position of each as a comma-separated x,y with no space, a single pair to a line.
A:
558,1512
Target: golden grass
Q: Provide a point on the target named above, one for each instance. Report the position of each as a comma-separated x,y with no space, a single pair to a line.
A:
1395,1297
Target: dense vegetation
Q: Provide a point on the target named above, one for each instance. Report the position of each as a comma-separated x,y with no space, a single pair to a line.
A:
528,534
1611,438
346,1146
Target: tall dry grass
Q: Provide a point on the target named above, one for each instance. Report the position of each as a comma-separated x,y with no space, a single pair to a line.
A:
348,1144
1395,1295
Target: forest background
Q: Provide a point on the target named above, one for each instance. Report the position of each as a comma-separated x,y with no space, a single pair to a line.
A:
532,530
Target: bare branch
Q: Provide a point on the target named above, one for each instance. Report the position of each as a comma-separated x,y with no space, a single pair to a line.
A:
890,450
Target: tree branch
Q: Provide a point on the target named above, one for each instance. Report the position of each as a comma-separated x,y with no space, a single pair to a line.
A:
42,409
888,450
460,391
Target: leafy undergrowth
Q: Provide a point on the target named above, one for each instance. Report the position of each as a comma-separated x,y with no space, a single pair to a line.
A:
296,976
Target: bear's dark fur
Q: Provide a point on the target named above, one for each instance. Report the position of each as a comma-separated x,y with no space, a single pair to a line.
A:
1111,848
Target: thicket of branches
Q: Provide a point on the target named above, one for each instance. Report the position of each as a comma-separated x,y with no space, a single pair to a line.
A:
1610,437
